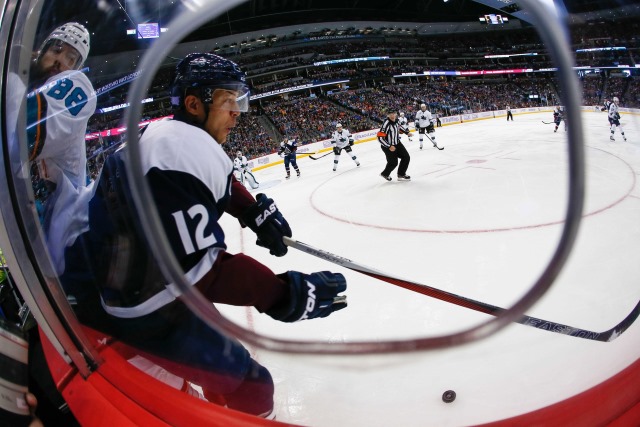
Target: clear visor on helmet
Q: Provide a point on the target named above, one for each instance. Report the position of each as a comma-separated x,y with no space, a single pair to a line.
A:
67,55
230,97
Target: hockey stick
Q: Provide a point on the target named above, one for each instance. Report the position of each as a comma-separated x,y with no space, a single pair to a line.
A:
316,158
433,142
547,123
606,336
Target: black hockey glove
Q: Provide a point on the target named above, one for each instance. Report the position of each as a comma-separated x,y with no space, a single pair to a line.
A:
264,218
430,128
311,296
616,116
336,151
351,141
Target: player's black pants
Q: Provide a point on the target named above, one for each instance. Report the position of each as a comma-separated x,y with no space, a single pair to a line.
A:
509,115
392,159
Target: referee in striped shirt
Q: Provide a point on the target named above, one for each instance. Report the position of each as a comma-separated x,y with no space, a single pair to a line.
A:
389,138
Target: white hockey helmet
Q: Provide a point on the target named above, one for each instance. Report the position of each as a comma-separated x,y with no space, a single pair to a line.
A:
238,153
75,35
423,106
339,125
615,99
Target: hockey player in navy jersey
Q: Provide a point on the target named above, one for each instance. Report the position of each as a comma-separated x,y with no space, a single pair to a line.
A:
605,107
287,151
118,285
558,116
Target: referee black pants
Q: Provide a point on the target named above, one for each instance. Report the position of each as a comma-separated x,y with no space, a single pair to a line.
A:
392,159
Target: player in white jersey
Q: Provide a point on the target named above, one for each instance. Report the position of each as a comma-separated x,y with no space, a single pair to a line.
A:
341,139
424,124
60,101
117,283
243,171
614,119
404,122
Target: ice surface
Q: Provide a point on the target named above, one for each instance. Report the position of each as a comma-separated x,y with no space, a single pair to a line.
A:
479,219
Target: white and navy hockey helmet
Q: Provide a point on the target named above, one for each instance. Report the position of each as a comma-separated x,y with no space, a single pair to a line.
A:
208,72
615,99
401,114
339,126
423,107
238,153
75,35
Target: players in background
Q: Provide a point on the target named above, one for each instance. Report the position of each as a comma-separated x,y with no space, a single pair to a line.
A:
614,119
558,116
287,151
389,138
60,102
605,105
341,139
243,171
117,283
509,114
404,122
424,124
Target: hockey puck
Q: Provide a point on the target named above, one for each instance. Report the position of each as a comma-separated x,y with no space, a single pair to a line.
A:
448,396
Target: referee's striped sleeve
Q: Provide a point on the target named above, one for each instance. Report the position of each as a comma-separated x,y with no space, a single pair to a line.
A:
388,134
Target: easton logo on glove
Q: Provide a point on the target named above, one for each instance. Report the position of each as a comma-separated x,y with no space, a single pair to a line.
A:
264,218
264,215
311,296
311,301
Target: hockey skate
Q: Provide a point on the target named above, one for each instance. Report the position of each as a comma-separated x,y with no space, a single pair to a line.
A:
612,138
404,178
357,164
288,176
386,177
298,172
624,137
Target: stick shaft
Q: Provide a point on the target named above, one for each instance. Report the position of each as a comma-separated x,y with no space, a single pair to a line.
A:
433,142
482,307
319,157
